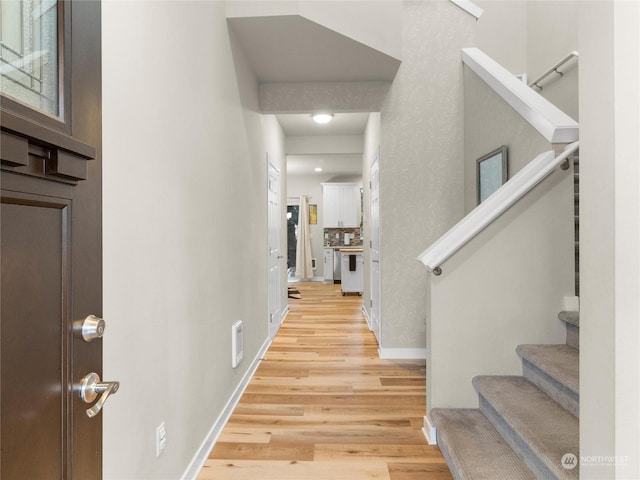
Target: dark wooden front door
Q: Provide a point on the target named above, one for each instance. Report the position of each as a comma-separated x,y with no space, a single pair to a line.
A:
51,255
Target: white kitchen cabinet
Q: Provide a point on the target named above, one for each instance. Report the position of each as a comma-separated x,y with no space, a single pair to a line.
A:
328,265
341,202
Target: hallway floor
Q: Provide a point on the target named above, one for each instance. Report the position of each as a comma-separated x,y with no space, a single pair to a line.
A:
323,406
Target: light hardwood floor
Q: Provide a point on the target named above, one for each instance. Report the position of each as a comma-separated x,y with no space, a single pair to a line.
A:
323,406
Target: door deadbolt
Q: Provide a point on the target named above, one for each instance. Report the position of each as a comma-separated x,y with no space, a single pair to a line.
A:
91,328
91,387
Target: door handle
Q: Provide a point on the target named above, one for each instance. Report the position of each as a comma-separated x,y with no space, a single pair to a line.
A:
91,387
375,261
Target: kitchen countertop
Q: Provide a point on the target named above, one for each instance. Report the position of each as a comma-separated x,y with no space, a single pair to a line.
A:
340,247
351,249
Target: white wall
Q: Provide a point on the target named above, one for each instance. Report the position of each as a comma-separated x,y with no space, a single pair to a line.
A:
529,37
325,144
421,161
552,33
184,228
627,257
490,122
503,289
374,23
609,225
501,33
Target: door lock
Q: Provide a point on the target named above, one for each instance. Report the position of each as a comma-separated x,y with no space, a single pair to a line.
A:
91,328
91,387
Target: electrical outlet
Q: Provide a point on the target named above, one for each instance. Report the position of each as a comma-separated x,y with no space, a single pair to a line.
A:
161,439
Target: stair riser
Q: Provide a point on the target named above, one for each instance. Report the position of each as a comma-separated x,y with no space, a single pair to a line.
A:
573,336
518,445
563,396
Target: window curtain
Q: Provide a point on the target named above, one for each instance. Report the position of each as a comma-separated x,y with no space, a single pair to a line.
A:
304,268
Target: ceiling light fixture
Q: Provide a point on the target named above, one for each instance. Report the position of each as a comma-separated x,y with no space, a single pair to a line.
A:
318,169
322,117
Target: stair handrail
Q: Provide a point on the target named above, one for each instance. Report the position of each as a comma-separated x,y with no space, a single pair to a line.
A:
553,69
551,122
495,205
469,7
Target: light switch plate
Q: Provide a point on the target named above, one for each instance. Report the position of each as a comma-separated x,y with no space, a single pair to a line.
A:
161,439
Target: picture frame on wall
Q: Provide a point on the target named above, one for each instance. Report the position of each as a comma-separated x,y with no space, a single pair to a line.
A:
491,172
313,214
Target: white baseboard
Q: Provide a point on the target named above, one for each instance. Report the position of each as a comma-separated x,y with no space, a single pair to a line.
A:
285,312
571,304
367,318
312,279
202,454
403,353
430,432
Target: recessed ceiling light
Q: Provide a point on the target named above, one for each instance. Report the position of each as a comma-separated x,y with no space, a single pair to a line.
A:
318,169
322,117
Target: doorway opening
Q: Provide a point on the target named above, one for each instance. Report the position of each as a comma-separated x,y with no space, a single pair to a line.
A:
292,227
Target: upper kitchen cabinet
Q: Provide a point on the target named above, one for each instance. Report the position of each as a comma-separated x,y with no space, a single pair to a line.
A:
341,203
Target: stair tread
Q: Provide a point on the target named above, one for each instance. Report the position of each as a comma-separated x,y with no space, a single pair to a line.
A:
547,429
475,449
561,362
570,317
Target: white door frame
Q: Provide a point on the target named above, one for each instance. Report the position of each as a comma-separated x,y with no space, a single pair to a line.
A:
274,316
374,251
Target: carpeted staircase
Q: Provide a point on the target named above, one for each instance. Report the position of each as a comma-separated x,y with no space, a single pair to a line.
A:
526,426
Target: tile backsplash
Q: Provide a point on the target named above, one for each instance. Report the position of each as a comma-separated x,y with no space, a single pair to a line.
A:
332,241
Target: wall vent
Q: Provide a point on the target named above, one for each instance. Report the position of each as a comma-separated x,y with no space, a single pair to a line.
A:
236,343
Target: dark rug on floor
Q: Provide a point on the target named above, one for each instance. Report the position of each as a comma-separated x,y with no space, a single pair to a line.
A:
294,293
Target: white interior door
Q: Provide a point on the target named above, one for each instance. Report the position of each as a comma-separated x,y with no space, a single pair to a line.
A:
275,256
374,224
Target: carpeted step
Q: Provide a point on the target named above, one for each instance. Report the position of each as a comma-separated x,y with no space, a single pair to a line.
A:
539,430
572,321
473,448
572,318
554,369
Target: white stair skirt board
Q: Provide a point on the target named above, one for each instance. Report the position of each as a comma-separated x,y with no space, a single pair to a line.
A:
202,454
403,353
367,318
429,432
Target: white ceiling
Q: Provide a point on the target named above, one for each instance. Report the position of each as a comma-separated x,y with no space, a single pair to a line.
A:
292,48
342,124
